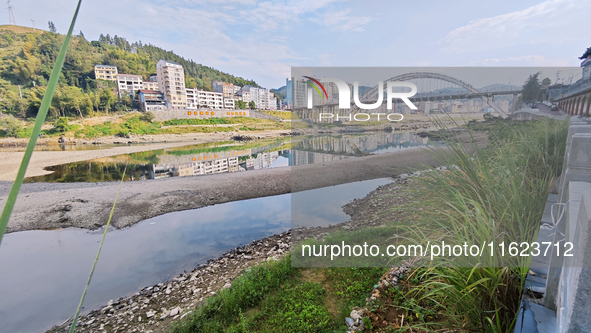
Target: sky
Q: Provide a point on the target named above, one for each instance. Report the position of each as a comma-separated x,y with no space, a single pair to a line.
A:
263,40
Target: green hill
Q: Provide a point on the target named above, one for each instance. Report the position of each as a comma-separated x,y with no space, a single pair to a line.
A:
27,56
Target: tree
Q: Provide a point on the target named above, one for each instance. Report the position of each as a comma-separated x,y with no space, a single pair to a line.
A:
82,35
11,125
52,27
252,105
531,88
546,82
240,104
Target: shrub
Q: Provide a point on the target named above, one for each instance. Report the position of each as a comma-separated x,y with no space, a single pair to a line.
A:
62,125
11,126
148,117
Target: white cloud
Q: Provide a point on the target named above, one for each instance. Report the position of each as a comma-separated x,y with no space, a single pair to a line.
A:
274,14
547,22
341,20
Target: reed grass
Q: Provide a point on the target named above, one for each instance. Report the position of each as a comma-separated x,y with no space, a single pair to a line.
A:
495,194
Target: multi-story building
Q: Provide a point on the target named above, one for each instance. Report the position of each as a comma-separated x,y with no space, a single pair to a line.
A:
129,84
225,88
150,85
288,99
197,99
105,72
243,96
171,82
151,100
192,98
229,103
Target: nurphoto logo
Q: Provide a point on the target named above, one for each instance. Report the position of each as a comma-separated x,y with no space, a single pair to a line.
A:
345,97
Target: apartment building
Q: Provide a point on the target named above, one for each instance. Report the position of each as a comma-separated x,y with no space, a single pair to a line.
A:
243,96
171,82
263,98
105,72
150,85
229,103
197,99
151,100
129,84
225,88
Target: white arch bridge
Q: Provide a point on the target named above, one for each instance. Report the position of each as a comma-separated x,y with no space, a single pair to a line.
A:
430,87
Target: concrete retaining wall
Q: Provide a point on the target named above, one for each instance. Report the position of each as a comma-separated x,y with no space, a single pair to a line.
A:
162,115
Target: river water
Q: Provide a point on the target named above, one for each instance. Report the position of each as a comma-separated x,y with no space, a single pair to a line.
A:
43,272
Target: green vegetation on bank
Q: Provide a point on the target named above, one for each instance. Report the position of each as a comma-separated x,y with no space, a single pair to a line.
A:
275,297
137,124
26,58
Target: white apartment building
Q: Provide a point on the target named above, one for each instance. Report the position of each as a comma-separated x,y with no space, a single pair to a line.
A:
129,84
197,99
105,72
244,96
150,85
171,82
229,103
263,98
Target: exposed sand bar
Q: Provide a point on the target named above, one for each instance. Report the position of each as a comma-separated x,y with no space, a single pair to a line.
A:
10,161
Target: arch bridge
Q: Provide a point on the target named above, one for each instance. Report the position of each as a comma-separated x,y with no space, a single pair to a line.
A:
430,87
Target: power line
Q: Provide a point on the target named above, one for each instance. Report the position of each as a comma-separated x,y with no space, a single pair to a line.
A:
10,14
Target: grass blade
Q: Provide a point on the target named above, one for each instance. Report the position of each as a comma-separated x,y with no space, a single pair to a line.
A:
45,103
73,326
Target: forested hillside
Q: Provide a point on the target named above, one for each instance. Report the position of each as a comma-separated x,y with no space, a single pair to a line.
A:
27,58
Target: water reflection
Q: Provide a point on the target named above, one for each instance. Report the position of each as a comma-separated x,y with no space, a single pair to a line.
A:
231,156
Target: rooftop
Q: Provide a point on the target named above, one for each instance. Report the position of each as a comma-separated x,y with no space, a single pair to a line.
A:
108,66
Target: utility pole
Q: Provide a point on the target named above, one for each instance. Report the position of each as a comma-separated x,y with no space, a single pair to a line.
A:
10,14
34,30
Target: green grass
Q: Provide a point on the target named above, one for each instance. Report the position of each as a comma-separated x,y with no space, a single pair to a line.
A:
225,308
275,297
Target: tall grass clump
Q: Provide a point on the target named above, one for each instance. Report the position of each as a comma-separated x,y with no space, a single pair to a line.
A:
487,194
